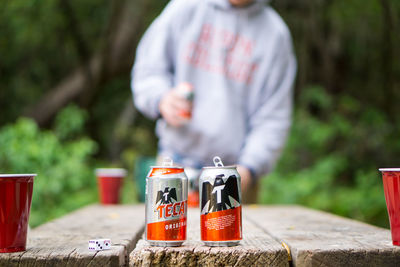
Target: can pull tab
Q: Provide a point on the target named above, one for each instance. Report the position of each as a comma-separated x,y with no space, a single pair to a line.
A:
168,162
218,162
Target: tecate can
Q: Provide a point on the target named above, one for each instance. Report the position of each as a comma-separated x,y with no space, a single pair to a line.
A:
166,205
187,92
221,209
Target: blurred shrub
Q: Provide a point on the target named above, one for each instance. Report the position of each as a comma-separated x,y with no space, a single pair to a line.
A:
70,122
61,159
332,157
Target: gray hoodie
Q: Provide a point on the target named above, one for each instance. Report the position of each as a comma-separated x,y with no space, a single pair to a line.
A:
242,66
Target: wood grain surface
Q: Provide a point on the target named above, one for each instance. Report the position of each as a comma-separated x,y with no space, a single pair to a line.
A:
314,238
256,249
64,242
321,239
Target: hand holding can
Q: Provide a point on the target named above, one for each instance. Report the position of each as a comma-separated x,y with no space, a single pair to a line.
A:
176,105
186,91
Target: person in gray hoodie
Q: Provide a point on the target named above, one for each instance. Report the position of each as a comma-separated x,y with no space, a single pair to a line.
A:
238,58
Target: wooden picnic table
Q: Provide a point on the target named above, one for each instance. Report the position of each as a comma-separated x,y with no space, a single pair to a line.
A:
272,236
64,241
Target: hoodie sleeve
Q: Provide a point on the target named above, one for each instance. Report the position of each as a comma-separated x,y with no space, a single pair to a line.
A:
152,73
270,122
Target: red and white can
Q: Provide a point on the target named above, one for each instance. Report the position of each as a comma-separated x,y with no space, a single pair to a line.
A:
187,92
220,205
166,205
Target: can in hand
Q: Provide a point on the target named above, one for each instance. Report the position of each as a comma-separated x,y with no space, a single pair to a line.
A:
220,205
166,205
187,92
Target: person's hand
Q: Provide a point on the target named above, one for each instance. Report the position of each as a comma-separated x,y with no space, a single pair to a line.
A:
245,176
173,104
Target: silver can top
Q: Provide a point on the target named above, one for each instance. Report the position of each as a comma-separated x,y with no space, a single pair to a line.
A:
167,163
219,164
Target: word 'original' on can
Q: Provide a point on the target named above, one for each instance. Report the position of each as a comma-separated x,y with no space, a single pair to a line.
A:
221,210
166,205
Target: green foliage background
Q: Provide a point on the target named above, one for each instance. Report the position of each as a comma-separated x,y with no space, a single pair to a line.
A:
62,158
345,122
65,180
331,162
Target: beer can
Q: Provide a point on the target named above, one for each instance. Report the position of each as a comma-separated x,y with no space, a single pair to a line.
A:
186,91
220,205
166,205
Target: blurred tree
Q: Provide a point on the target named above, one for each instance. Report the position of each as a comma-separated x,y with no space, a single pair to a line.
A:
115,57
62,51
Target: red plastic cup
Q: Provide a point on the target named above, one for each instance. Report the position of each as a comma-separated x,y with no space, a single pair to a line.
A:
15,204
193,199
110,183
391,186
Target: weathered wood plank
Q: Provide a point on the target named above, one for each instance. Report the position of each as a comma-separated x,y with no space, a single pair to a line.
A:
322,239
256,249
315,239
64,242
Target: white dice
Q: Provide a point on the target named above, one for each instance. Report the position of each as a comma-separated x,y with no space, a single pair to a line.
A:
99,244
